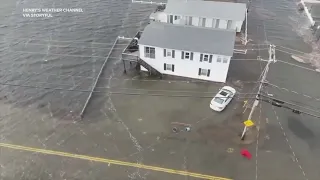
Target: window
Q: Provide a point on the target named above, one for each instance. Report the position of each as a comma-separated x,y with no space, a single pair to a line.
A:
190,21
186,55
219,100
204,72
210,59
204,57
217,23
185,18
229,24
168,53
203,22
149,52
171,19
219,59
225,60
176,17
168,67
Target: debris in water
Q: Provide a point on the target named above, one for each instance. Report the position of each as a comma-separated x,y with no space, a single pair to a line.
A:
297,58
175,130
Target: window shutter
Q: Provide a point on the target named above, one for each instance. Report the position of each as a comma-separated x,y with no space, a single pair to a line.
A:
199,71
208,74
164,53
173,53
201,57
172,67
210,60
191,56
165,66
182,54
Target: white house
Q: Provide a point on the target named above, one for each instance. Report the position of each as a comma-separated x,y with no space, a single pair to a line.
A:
200,53
210,14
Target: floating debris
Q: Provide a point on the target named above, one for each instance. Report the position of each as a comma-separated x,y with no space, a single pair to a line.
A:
297,58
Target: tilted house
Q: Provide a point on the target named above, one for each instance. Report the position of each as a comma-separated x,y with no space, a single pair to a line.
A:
210,14
181,50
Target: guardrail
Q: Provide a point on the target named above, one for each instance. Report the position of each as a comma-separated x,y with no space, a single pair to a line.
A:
306,10
96,80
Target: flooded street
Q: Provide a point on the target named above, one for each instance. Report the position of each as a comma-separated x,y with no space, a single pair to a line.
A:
59,52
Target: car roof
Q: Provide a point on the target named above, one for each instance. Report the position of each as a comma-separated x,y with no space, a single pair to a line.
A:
224,93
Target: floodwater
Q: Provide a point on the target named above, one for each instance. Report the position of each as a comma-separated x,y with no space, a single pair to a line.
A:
66,51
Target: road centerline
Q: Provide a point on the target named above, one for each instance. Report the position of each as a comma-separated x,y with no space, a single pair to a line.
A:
110,161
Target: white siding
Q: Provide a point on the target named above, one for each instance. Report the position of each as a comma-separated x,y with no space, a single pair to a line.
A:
195,21
186,67
180,20
233,25
223,24
163,18
239,25
209,22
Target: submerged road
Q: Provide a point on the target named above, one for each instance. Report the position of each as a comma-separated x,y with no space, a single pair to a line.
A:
289,141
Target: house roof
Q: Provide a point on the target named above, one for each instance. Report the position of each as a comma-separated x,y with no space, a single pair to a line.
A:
207,9
189,38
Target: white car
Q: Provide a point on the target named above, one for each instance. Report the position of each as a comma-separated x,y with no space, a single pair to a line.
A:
222,98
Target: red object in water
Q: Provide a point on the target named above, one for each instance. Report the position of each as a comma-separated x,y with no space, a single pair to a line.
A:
245,153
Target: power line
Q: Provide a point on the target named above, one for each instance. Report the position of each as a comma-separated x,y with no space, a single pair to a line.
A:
292,64
299,66
281,103
114,78
290,103
295,92
131,89
292,49
263,79
107,48
308,56
259,81
114,92
83,56
85,41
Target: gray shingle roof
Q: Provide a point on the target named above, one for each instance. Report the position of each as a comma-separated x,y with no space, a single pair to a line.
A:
207,9
189,38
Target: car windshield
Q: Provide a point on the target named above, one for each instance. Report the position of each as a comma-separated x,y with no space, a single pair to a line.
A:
219,100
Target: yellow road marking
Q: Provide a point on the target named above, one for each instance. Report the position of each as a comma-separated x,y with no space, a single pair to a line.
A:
110,161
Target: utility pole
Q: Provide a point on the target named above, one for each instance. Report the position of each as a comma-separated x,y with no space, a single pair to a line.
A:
272,58
246,30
